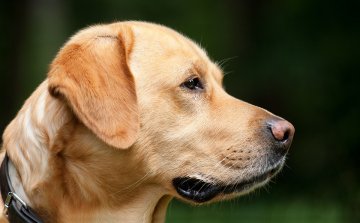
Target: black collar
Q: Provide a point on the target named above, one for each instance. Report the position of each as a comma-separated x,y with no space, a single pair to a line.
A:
25,214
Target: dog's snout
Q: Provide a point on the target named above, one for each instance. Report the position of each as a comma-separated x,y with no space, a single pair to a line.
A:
282,131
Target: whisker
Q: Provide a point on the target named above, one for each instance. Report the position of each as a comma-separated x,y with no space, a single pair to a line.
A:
221,62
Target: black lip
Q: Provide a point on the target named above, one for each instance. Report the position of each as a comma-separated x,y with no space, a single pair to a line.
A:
195,189
200,191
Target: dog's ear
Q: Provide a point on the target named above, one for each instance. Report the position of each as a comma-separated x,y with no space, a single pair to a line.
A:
92,74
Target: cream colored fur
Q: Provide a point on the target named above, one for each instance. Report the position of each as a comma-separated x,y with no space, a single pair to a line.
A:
102,138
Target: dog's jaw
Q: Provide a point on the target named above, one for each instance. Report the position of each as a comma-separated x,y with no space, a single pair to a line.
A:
201,189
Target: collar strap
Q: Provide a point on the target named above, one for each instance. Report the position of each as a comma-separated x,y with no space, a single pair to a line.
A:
23,215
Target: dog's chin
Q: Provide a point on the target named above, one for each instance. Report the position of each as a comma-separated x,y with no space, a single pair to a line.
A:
199,191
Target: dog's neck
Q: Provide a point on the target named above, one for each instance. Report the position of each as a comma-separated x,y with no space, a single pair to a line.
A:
63,171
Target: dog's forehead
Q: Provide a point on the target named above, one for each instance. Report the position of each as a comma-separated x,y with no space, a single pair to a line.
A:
160,51
163,42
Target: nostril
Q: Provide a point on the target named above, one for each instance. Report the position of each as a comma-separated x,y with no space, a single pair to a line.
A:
286,136
282,130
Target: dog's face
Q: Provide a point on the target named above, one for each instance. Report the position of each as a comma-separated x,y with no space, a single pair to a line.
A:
137,106
205,144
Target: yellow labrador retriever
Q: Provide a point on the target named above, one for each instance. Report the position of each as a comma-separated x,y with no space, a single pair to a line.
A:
131,115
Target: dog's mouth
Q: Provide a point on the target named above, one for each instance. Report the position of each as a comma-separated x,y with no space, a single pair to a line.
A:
200,191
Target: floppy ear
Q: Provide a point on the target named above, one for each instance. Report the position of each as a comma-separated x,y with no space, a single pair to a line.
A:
93,75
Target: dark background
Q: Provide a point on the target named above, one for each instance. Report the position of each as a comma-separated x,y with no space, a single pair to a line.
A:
298,59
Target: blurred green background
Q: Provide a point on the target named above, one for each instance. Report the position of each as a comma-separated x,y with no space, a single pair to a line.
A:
298,59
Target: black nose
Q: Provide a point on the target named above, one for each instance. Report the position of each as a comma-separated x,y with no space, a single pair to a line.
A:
282,131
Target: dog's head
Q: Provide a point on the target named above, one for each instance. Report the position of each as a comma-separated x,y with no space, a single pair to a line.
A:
145,88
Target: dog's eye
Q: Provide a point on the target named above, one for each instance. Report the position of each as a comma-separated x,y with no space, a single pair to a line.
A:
193,84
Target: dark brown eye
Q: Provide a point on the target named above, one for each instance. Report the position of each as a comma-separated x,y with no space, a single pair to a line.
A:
193,84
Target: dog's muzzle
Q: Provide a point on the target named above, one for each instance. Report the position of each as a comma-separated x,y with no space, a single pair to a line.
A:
277,133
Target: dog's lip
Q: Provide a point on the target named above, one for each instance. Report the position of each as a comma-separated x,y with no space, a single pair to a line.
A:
200,191
195,189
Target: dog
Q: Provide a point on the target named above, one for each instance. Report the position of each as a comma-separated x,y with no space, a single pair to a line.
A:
130,115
